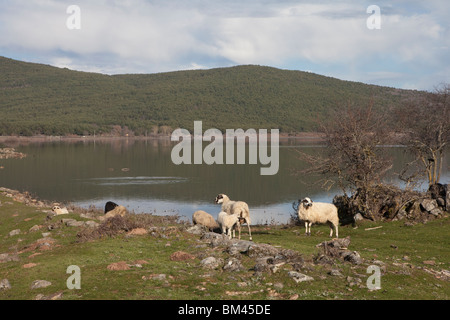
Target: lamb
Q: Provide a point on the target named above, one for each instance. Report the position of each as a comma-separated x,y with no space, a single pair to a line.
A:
318,212
228,222
204,219
239,208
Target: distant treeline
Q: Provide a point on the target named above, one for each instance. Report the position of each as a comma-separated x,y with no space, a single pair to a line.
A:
41,99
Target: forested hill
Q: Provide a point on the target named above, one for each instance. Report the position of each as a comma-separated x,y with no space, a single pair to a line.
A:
41,99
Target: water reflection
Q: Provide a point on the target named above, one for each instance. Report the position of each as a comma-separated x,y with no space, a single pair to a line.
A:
140,175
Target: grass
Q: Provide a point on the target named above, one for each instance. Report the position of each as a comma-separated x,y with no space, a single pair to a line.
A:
400,249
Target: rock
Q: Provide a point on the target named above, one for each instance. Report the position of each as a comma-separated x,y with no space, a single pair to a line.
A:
181,256
261,250
233,265
337,248
10,153
441,202
353,281
72,222
40,284
91,224
263,264
428,204
195,229
6,257
29,265
436,212
14,232
210,263
299,277
54,296
239,246
352,256
335,273
5,285
278,286
158,277
440,192
216,239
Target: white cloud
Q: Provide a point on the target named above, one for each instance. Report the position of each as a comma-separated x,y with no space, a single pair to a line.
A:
155,36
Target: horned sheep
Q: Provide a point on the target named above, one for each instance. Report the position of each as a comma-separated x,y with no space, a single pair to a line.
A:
318,212
239,208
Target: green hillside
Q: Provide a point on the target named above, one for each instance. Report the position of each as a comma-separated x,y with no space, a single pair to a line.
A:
41,99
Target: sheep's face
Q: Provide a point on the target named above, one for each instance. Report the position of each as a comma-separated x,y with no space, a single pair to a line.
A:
307,202
56,208
219,199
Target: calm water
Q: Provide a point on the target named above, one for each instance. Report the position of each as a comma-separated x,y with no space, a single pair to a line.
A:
140,175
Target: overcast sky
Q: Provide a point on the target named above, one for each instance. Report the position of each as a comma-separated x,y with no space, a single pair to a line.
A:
410,50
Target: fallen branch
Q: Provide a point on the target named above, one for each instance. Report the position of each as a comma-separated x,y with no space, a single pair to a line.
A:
373,228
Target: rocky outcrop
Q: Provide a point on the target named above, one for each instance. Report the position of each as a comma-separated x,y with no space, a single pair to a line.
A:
11,153
337,249
391,203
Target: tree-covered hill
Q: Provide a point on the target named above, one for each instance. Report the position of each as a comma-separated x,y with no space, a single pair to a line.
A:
41,99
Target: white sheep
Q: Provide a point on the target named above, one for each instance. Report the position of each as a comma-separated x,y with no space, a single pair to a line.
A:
239,208
318,212
228,223
204,219
58,210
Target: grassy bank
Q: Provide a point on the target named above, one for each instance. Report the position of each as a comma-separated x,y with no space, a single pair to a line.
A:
413,260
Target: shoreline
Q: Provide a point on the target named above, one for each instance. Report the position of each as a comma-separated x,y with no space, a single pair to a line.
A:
307,136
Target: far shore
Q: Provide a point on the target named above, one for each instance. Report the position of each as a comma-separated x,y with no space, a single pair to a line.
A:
302,136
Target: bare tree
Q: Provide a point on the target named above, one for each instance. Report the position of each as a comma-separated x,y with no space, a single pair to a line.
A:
425,125
352,158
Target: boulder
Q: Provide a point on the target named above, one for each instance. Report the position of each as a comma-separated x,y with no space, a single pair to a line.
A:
210,263
239,246
233,265
261,250
428,204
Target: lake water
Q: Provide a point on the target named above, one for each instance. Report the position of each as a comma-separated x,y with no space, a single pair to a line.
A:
140,175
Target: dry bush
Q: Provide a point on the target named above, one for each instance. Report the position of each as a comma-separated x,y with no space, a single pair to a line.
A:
118,225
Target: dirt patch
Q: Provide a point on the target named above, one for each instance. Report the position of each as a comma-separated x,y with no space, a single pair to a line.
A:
181,256
118,266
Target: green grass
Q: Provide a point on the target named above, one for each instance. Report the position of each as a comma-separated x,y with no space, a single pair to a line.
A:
402,249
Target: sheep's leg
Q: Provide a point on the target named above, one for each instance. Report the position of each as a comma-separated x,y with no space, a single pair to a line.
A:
306,227
239,229
331,225
249,230
337,234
